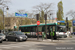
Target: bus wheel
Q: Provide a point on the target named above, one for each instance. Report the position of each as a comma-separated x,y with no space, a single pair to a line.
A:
0,41
52,38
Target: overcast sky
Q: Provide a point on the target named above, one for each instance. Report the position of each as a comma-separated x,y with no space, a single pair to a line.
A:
28,4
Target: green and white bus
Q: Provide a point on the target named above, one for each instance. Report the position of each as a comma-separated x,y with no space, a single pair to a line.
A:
55,29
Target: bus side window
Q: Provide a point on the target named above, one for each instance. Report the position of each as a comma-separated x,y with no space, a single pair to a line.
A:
53,28
43,28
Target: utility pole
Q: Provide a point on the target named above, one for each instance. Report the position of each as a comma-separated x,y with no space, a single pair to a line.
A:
72,23
45,24
67,26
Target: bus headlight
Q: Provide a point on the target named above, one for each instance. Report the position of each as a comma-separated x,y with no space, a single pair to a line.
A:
57,33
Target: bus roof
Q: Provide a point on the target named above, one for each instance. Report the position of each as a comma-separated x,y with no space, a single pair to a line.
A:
36,25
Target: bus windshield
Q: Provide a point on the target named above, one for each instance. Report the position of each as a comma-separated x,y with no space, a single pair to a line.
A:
61,28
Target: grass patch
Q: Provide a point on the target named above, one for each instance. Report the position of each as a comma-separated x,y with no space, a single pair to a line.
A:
70,36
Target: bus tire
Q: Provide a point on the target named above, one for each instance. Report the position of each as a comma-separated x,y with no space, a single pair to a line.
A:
0,41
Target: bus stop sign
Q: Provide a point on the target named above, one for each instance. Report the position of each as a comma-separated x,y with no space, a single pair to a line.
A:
38,22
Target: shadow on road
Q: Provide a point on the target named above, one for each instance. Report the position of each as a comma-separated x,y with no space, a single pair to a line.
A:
56,47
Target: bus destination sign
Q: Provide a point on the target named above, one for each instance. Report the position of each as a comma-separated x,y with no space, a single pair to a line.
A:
61,23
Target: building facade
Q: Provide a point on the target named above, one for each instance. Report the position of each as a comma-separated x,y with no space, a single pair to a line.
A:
10,22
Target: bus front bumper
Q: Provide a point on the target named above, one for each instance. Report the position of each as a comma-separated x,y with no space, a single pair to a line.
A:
62,36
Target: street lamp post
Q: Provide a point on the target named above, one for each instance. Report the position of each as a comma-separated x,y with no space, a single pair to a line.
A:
3,18
51,27
7,15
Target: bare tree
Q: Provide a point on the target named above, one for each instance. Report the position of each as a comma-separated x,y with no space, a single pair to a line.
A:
71,13
29,18
21,19
46,8
4,2
30,15
43,7
22,11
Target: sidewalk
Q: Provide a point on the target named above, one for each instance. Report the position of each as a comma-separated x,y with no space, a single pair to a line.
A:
45,40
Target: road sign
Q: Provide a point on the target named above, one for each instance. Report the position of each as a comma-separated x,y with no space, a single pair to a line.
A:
73,22
61,21
38,22
21,14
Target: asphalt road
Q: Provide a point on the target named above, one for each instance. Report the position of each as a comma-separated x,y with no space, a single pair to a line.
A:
67,44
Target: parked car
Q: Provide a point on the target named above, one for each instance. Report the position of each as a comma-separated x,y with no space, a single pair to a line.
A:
3,36
16,35
1,39
73,33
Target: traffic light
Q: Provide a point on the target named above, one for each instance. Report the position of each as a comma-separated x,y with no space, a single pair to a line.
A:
37,17
66,19
45,16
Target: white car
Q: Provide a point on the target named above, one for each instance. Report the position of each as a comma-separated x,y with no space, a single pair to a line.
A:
1,39
3,36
